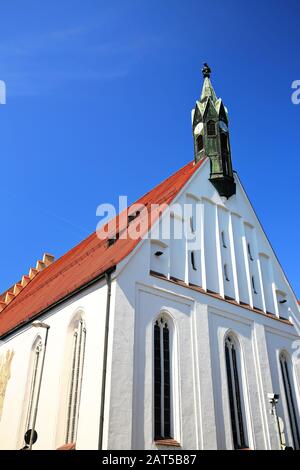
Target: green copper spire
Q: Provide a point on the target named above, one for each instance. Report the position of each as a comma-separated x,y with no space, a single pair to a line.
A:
207,89
211,136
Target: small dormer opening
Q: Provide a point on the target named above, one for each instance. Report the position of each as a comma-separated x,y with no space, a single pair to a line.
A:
158,253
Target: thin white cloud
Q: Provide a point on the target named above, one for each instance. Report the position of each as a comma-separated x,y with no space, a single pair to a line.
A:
34,64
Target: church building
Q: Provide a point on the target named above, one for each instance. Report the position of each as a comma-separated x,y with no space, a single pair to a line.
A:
173,326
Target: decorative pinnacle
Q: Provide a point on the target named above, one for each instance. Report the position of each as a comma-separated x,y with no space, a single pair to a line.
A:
206,71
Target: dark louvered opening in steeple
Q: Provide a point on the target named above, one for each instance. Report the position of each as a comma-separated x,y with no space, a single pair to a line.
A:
211,128
199,141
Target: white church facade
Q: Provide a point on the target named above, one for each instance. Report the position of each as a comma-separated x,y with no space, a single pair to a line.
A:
184,337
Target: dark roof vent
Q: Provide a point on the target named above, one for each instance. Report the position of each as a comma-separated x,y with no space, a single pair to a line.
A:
133,216
112,241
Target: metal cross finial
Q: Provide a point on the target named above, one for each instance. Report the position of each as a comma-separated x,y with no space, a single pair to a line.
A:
206,71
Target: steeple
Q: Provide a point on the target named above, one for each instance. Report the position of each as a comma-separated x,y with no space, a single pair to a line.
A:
211,136
207,89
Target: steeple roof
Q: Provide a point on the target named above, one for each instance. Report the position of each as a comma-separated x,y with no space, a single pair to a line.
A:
208,91
211,136
208,95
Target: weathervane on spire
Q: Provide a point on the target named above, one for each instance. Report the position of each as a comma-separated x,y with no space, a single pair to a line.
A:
206,71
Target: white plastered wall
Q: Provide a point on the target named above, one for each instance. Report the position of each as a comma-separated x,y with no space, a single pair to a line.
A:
51,417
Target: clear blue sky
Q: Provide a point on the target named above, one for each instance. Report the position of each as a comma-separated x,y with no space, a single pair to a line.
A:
99,96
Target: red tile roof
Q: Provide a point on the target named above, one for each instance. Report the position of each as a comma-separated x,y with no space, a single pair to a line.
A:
88,260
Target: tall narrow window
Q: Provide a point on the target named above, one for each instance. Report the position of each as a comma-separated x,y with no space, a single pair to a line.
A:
79,339
223,239
224,143
226,272
211,128
192,224
290,403
234,392
224,151
253,285
282,303
162,380
193,261
249,251
200,144
35,375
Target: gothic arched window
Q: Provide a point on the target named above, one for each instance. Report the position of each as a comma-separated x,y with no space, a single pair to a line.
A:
162,379
289,399
224,142
234,393
34,374
76,372
211,128
199,142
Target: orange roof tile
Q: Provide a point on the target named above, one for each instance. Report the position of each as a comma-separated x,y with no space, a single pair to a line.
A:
86,261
